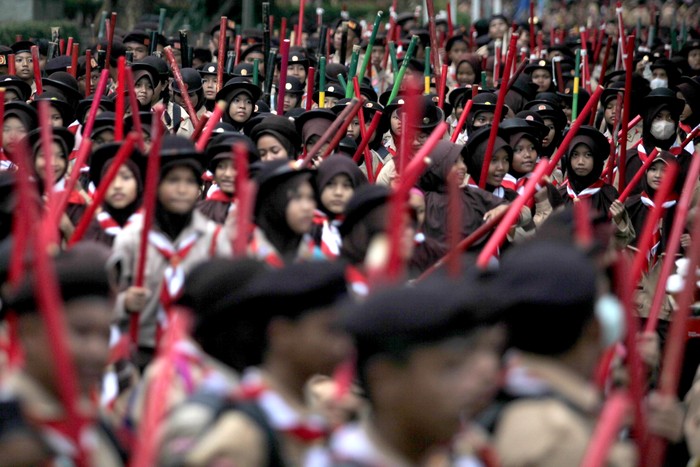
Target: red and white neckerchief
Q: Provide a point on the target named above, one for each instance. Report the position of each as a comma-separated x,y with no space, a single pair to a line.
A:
264,251
357,281
174,274
215,194
305,428
518,185
652,255
498,192
330,235
74,198
111,227
586,192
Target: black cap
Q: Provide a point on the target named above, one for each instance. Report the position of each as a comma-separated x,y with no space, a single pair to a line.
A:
176,150
539,296
236,85
57,101
16,84
191,78
61,135
80,272
105,153
401,318
22,46
66,84
221,146
363,200
60,63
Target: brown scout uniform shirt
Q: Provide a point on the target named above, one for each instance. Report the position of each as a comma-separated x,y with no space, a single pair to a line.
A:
554,430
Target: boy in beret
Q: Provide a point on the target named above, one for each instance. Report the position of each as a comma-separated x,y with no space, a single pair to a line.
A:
550,418
32,427
283,334
428,338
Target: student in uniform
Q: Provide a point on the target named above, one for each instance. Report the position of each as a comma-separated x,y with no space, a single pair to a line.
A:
24,66
311,125
553,406
32,432
240,95
417,364
276,138
285,333
283,215
195,90
337,178
476,205
660,126
122,202
181,237
61,147
209,73
20,118
220,198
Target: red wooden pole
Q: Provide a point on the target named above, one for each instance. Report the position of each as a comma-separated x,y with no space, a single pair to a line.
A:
119,105
622,161
607,429
243,219
284,53
182,86
88,72
300,23
75,50
37,69
221,57
149,206
209,128
130,88
498,112
674,354
310,87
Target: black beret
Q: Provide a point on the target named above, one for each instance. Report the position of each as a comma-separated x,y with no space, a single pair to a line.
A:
401,318
80,272
363,200
540,295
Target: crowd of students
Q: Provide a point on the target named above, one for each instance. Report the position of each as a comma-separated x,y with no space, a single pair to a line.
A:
304,298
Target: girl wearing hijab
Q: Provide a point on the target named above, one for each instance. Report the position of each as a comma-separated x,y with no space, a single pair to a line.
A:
689,91
584,166
275,137
660,126
63,141
639,205
20,119
122,202
283,215
477,205
221,196
181,237
468,71
526,141
587,153
337,179
240,96
475,155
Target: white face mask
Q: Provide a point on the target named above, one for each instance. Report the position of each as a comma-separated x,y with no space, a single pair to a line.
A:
608,311
658,83
662,130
